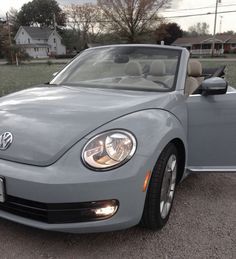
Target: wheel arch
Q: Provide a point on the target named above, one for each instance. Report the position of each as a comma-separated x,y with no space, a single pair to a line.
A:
156,180
182,157
182,154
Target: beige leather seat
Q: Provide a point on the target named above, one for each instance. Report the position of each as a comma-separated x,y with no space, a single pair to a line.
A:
133,68
171,66
194,78
158,73
134,76
133,71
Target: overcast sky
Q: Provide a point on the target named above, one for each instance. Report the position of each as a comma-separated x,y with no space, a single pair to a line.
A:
228,19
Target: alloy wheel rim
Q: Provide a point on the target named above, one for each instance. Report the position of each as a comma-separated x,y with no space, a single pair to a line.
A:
168,186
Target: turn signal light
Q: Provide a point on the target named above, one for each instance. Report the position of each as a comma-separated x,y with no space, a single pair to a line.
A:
146,180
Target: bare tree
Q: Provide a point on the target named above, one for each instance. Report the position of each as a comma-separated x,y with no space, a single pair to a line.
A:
199,29
84,18
12,16
132,18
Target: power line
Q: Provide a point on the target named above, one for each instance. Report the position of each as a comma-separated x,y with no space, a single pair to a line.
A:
198,8
199,14
170,17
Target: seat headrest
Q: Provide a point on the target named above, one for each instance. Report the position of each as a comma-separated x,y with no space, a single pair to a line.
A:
133,68
157,68
171,66
194,68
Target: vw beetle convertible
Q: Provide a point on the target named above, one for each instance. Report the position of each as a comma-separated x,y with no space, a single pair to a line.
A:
104,144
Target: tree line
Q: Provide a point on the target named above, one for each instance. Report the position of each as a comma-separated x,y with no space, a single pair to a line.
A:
106,22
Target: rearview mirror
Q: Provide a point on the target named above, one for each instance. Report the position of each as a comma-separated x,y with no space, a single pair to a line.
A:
214,86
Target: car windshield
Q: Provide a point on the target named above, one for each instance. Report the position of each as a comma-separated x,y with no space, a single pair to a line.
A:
123,67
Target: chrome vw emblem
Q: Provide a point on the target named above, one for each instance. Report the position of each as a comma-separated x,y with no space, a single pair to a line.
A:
6,140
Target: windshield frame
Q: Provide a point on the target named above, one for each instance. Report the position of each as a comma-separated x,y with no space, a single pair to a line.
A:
53,82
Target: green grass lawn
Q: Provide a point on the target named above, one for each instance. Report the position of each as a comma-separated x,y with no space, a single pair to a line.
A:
14,78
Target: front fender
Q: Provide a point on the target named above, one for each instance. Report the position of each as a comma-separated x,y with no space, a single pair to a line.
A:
153,129
68,180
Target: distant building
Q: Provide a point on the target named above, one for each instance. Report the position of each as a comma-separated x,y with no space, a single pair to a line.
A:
201,45
39,42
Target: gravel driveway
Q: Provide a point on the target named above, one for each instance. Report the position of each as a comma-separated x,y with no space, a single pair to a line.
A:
202,225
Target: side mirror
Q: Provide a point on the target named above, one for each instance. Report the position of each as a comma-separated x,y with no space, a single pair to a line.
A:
214,86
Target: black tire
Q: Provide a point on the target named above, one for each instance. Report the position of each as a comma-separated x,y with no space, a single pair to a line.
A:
152,218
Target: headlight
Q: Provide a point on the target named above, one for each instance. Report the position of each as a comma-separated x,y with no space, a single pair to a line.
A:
109,149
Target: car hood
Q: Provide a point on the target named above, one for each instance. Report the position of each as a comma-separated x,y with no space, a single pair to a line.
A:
47,121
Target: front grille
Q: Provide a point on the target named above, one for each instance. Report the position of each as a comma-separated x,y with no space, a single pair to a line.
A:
55,213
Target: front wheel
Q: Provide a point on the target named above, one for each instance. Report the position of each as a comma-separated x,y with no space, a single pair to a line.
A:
161,189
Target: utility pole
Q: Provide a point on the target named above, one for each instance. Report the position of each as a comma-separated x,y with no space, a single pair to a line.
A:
214,34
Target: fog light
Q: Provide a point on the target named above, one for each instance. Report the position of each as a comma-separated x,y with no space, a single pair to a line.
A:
106,211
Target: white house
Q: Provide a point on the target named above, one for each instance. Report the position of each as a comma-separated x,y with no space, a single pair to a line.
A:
202,44
39,42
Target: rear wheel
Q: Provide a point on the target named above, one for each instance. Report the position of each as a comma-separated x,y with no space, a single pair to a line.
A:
161,189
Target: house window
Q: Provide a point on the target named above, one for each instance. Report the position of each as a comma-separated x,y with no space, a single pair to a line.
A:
233,45
28,40
22,33
54,40
55,48
206,46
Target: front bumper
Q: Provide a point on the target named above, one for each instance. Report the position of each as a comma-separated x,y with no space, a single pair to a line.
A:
59,213
63,183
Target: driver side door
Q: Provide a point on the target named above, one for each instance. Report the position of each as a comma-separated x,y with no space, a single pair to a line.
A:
212,132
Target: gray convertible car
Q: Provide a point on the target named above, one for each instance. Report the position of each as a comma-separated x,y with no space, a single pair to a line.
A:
104,144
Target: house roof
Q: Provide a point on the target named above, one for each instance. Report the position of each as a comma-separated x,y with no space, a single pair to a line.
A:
189,41
37,32
233,39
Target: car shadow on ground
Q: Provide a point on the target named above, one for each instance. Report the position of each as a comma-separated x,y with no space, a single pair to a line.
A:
201,225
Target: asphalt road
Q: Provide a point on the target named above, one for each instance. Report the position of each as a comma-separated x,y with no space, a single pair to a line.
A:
202,225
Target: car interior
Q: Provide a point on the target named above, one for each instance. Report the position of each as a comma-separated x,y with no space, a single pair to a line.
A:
143,71
155,73
163,71
152,72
